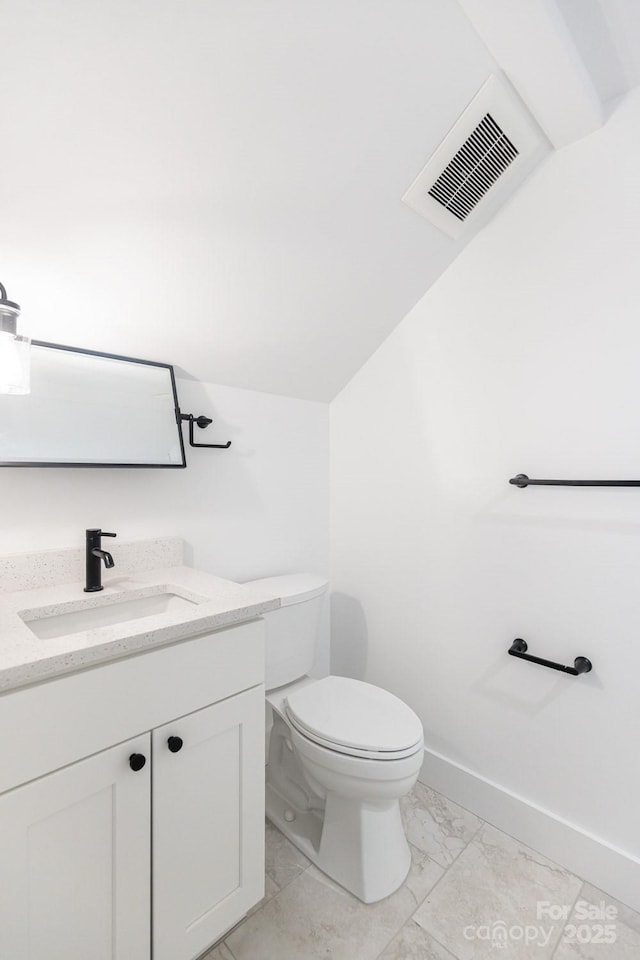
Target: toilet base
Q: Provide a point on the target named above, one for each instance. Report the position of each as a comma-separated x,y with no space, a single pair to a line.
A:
304,832
362,846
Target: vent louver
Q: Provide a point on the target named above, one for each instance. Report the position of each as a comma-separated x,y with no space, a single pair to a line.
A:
475,168
489,151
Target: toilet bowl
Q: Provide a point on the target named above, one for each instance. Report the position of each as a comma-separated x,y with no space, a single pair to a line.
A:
341,754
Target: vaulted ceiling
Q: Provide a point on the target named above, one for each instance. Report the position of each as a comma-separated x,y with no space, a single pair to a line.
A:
217,183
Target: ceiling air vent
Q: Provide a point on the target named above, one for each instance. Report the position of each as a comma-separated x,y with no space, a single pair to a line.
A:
481,159
491,149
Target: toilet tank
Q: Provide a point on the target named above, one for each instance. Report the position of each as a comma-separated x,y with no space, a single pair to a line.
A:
292,631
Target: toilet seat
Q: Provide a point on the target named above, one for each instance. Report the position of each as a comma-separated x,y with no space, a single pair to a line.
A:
354,718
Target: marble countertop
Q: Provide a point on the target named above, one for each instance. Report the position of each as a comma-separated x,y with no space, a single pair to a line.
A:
26,658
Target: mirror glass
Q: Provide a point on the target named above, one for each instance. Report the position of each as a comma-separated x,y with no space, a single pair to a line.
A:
92,409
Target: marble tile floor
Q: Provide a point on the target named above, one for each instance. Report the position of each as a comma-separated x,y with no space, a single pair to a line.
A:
472,892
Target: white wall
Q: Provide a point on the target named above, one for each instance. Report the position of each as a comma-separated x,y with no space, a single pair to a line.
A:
522,358
234,167
261,507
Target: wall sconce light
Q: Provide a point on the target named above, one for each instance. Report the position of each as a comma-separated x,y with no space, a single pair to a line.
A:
14,349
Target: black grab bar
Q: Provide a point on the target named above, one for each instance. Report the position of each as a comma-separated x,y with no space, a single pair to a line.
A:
522,481
580,665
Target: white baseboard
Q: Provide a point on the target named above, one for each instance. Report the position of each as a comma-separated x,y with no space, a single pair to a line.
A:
606,867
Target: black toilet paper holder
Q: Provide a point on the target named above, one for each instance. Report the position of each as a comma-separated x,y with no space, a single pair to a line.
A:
202,422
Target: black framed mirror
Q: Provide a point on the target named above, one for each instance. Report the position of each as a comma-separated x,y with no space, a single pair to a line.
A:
91,409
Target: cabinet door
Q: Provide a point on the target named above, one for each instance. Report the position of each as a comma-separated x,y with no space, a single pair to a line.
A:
208,824
74,861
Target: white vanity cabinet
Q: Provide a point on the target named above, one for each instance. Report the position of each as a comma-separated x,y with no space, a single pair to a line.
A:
74,861
208,823
106,858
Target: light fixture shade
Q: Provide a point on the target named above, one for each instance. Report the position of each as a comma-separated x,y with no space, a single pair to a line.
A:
15,366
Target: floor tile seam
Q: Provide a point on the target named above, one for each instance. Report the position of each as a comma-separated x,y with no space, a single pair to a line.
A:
462,849
412,918
289,883
573,906
392,938
402,923
281,890
523,843
451,800
222,942
579,897
427,895
231,953
634,925
444,876
249,916
446,949
625,906
454,856
506,834
620,923
559,866
434,884
292,880
258,907
274,882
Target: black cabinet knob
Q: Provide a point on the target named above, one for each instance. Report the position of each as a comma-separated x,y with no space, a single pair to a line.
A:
174,744
137,761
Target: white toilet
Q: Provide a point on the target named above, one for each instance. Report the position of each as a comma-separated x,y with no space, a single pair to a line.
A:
341,752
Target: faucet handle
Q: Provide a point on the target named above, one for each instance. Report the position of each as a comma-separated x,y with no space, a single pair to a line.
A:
109,534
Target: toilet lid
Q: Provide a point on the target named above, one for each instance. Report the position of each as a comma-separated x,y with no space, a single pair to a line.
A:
355,717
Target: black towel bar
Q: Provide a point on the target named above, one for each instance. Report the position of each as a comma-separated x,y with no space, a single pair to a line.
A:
580,665
522,481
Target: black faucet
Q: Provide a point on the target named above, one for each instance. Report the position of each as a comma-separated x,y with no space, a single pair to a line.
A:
95,554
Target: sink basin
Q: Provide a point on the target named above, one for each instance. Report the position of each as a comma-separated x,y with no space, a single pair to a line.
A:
107,615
